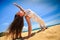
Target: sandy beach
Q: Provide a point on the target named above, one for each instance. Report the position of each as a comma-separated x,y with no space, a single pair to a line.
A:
52,33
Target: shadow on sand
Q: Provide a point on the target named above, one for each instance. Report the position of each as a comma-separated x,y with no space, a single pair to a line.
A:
26,37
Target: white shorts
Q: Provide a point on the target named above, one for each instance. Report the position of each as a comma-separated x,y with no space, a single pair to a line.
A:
34,17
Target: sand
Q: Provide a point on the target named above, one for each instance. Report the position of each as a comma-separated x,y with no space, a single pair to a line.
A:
52,33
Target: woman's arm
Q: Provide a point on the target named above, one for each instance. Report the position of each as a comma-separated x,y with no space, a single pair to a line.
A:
20,7
29,25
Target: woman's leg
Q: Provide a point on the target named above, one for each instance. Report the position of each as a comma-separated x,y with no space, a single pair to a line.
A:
41,23
29,25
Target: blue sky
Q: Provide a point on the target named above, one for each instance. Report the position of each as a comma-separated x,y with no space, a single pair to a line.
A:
48,10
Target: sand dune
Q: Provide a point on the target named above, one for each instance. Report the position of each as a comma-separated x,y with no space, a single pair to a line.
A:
52,33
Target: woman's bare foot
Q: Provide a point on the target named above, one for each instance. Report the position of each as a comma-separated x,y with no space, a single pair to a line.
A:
42,29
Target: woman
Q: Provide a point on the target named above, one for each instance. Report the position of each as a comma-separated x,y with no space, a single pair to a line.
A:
29,14
16,26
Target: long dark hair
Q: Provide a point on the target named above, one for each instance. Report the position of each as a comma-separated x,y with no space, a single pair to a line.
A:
17,25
